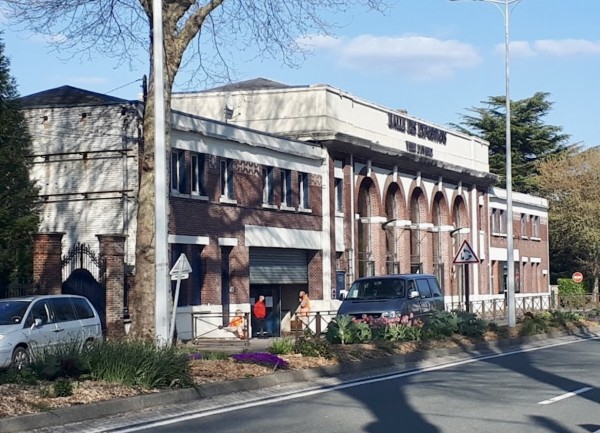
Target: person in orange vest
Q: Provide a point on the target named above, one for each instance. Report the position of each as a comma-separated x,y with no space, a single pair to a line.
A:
237,325
260,313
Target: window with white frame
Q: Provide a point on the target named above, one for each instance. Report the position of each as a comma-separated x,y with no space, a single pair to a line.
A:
268,187
178,179
198,178
535,226
286,188
339,195
303,190
227,179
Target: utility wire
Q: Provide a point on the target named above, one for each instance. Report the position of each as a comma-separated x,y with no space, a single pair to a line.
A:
124,85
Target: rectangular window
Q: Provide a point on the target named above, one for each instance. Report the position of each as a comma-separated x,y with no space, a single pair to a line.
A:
339,195
198,178
268,187
303,190
502,221
178,179
286,188
523,225
535,226
227,178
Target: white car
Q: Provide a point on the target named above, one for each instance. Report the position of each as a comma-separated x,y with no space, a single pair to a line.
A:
36,323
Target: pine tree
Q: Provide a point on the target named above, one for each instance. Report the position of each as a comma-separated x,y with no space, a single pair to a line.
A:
19,211
532,141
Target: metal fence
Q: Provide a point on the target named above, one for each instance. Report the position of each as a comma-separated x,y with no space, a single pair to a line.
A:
210,325
214,326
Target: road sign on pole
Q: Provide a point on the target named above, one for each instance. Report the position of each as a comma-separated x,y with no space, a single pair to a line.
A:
465,255
577,277
180,271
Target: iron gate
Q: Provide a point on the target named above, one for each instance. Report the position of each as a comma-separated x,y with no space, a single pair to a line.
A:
84,274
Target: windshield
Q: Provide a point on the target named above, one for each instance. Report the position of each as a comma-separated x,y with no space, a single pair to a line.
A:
12,312
383,288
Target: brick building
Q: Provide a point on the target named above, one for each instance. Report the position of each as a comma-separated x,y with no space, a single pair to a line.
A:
245,206
404,193
276,189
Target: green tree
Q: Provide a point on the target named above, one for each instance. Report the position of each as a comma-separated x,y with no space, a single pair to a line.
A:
224,29
19,213
570,183
531,139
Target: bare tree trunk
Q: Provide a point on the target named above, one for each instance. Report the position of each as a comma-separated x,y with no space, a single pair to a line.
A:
143,297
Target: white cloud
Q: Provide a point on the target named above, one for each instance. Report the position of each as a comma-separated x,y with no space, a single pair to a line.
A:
567,47
517,49
550,47
418,57
318,42
47,39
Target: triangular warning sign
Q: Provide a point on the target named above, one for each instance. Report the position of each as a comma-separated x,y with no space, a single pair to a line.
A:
465,254
181,269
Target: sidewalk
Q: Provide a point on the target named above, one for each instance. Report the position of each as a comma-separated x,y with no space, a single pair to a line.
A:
119,406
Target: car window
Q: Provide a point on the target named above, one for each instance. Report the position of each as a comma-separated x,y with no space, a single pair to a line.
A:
12,312
435,287
63,309
82,308
377,288
423,287
40,310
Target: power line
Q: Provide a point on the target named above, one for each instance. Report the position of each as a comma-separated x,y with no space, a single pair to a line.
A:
124,85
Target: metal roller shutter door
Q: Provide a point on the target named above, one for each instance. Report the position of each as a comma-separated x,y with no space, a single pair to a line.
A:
278,266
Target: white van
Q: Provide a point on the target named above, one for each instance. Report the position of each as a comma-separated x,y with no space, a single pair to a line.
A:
35,323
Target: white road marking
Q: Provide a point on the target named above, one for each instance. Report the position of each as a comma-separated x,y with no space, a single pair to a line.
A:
567,395
321,390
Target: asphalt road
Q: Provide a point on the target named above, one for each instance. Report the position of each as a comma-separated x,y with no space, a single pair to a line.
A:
554,389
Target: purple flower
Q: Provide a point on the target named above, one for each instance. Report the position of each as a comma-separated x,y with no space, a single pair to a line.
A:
195,356
261,358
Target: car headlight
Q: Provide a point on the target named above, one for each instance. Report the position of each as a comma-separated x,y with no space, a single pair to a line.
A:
388,315
1,337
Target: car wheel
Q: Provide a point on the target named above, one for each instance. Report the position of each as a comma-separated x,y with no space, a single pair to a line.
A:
88,345
20,358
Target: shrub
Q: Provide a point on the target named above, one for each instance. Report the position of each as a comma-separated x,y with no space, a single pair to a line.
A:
281,346
309,344
24,376
441,324
571,294
339,330
214,356
470,325
63,388
261,358
399,332
360,332
138,363
533,324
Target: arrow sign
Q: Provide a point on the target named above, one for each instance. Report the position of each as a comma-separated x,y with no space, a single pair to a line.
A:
182,269
465,254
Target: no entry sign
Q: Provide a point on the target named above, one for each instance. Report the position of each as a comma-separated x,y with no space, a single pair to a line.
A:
577,277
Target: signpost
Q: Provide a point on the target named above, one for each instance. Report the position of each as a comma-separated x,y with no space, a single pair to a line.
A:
577,277
181,270
466,256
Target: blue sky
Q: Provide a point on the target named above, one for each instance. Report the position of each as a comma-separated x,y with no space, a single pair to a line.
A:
434,58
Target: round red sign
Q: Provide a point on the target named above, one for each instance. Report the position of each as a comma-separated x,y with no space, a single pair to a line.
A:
577,277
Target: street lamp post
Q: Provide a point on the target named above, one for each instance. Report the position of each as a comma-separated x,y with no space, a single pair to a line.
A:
505,7
162,281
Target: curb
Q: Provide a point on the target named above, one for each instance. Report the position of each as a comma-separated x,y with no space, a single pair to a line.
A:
73,414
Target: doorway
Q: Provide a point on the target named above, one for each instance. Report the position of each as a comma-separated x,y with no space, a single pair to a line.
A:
272,294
